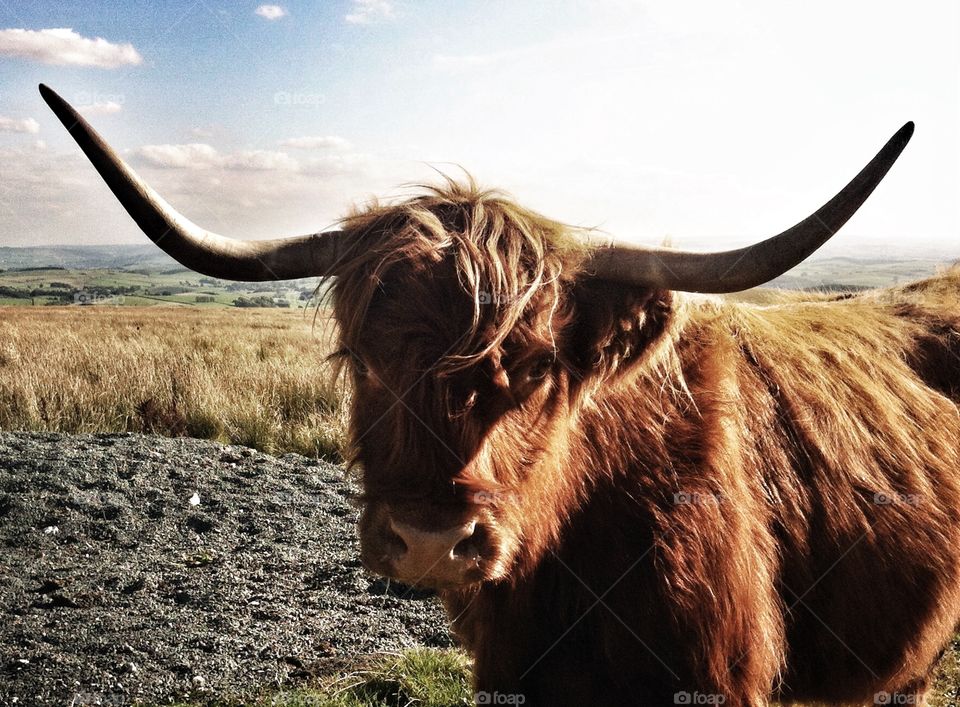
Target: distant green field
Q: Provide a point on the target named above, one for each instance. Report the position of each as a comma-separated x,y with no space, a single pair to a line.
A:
76,287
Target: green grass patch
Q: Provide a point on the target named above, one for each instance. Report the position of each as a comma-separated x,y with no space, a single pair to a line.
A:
421,677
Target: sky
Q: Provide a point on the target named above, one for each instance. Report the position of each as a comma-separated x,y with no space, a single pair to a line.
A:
701,123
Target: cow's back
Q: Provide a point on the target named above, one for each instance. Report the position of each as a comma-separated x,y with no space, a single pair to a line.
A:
852,407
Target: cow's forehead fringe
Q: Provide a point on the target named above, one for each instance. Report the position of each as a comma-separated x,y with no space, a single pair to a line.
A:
512,262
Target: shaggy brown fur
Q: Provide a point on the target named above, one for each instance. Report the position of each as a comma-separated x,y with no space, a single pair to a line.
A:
679,494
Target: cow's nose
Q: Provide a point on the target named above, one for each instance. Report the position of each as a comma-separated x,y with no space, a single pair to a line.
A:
435,556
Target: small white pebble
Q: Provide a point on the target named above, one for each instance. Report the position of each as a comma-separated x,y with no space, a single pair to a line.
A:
198,682
195,499
51,530
23,661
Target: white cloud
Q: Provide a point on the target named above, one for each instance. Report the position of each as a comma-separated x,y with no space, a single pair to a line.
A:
350,163
261,160
317,142
12,125
201,132
65,47
367,11
271,12
100,108
191,156
203,156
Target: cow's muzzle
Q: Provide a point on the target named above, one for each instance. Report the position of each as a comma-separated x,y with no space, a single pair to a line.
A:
443,558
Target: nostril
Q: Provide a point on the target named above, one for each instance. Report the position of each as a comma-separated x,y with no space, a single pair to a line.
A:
465,548
394,542
397,531
469,544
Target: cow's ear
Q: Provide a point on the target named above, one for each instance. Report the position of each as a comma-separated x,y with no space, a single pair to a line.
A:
614,326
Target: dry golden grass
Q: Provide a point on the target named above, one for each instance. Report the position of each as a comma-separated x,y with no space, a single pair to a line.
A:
253,377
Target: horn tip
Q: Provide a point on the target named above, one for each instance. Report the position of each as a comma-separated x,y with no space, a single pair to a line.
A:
49,95
63,110
906,132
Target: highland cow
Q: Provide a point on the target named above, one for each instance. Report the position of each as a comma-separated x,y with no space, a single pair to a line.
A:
624,493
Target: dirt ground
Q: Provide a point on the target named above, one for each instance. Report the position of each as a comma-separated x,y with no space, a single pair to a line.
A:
139,568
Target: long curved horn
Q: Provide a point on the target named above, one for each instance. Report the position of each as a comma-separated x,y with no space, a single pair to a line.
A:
195,247
741,269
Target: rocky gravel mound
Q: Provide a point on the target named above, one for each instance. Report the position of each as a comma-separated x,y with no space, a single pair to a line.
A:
137,568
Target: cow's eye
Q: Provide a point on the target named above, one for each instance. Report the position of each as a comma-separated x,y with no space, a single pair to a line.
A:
540,368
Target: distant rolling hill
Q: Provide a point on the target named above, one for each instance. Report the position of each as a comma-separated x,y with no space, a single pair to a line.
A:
141,256
846,273
129,275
